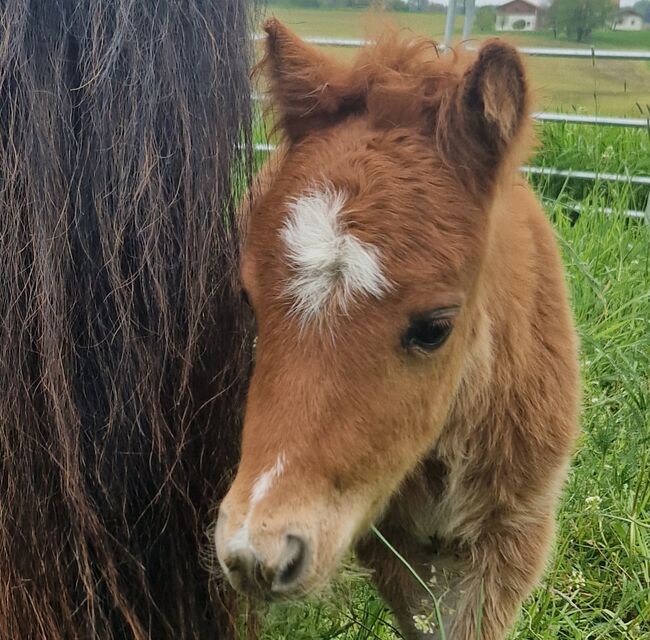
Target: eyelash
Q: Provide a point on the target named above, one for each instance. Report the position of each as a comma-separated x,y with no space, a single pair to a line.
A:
426,334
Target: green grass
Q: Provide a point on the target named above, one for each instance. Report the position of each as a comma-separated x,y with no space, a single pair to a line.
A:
354,23
609,87
600,149
351,23
597,586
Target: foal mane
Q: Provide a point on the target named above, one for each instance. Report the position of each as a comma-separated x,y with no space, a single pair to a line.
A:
124,135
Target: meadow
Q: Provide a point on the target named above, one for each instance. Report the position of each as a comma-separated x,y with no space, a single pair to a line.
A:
612,87
597,585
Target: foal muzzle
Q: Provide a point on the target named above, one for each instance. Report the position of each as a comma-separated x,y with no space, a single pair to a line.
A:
272,570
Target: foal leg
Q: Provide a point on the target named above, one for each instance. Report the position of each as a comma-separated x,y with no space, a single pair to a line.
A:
409,601
478,597
504,569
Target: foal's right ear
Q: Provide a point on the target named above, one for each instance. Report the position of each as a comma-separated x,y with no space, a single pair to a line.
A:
482,122
308,89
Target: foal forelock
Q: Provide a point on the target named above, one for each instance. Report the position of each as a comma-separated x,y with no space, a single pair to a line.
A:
329,267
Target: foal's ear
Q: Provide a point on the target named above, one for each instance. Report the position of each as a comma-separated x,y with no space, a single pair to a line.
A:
308,89
481,123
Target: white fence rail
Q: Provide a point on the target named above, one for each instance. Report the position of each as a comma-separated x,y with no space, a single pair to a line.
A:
571,118
632,123
544,52
552,52
587,175
603,54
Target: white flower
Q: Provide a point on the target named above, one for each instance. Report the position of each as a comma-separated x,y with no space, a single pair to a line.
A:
576,580
424,623
593,503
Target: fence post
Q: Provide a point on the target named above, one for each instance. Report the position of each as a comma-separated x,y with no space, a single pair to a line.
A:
468,23
449,24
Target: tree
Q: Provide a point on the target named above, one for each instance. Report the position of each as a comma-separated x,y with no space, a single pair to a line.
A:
643,7
417,5
578,18
485,19
305,4
396,5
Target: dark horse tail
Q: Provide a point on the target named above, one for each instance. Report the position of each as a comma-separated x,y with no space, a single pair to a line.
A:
124,126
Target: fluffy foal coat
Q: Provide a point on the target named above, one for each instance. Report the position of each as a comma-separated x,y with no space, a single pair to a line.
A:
416,362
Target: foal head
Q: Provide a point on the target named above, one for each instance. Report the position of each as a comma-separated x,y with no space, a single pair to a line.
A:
361,263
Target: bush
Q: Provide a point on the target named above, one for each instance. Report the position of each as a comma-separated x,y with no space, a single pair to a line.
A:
397,5
305,4
485,18
518,25
578,18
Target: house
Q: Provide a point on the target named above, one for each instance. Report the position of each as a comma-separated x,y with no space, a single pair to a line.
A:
627,20
517,15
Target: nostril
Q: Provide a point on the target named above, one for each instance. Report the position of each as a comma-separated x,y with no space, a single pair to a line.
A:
249,573
239,565
292,565
235,564
263,576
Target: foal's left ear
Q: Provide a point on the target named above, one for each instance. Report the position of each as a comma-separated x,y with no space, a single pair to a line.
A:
309,89
480,124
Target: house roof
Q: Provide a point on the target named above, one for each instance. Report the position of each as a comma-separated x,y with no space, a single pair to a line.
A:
628,12
518,6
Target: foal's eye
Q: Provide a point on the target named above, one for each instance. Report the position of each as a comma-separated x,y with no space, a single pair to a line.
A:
427,333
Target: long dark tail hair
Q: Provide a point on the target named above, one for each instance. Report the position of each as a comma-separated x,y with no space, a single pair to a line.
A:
125,128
